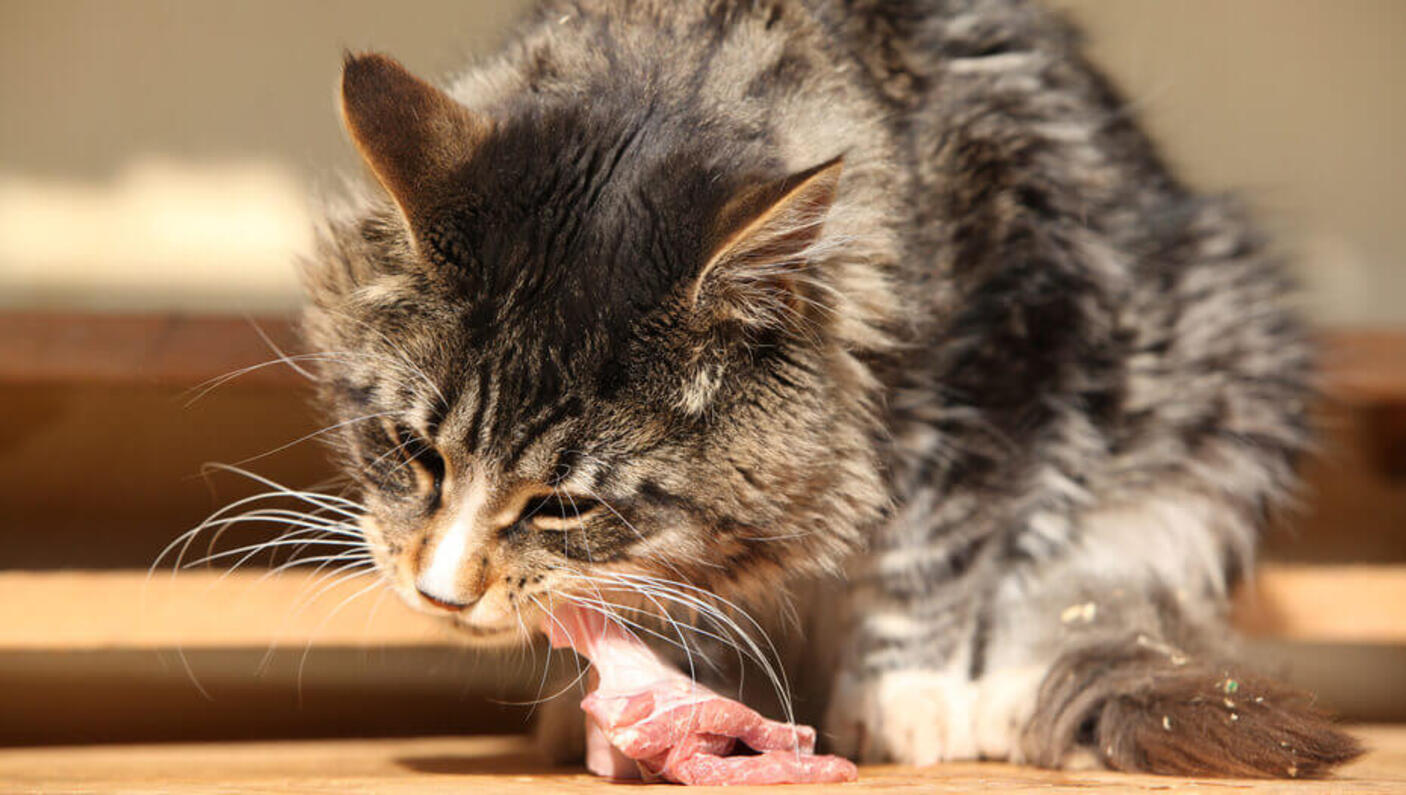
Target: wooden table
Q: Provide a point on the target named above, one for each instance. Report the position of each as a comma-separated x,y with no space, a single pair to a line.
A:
507,764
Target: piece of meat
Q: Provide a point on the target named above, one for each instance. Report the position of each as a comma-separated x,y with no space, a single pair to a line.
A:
645,718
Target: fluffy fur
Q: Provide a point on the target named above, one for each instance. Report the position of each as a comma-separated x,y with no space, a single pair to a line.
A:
729,294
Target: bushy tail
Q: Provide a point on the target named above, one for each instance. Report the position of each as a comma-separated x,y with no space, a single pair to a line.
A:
1145,708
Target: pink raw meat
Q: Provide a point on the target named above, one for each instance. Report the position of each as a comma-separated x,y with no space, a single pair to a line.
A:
644,718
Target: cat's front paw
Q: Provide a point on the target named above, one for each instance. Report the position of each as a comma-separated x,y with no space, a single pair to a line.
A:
903,716
921,717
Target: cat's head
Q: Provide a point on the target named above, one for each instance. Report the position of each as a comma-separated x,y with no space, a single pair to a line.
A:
573,348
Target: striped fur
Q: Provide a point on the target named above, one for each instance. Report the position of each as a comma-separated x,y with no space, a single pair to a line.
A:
1026,392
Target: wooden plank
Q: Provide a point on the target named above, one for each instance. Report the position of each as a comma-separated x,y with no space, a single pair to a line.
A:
206,609
174,349
507,764
203,609
1360,365
1325,604
1364,366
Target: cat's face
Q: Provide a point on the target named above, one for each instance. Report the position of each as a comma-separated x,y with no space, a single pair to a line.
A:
569,358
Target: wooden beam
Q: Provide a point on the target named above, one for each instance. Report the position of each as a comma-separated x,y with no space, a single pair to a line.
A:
1325,604
203,609
171,349
1360,365
1364,366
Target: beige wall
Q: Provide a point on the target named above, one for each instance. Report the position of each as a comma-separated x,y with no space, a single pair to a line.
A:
1299,104
162,153
158,153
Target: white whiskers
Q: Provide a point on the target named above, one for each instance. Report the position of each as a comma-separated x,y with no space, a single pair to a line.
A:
302,521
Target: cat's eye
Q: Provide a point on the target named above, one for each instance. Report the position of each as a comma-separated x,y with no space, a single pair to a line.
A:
558,511
429,460
418,454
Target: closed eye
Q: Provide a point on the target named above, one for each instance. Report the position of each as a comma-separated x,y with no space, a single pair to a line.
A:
432,464
557,511
420,454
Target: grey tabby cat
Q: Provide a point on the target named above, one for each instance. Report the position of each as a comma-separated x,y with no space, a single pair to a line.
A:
888,303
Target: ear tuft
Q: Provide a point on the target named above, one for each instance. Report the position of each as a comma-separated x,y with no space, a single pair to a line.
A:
761,239
408,132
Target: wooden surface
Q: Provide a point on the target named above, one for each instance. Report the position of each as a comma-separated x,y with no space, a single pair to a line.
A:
507,764
56,610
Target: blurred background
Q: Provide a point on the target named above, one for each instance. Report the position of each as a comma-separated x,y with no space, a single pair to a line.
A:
159,162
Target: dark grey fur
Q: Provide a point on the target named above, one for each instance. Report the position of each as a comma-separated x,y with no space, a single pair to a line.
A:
1031,395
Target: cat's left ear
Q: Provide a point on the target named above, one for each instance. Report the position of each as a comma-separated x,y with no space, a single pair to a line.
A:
760,243
410,133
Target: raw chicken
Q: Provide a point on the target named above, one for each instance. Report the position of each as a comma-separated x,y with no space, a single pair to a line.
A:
644,718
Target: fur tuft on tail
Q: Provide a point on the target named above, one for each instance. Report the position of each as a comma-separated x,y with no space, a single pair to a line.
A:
1143,707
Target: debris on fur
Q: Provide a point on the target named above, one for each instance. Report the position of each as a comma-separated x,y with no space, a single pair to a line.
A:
647,720
1081,613
1152,711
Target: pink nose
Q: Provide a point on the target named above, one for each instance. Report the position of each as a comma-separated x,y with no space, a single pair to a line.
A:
443,604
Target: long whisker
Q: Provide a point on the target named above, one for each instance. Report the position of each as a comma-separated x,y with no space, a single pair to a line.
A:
282,357
313,591
302,539
319,432
307,649
277,542
272,516
662,615
323,561
570,638
603,604
400,353
205,387
323,502
292,519
696,598
331,502
329,581
611,611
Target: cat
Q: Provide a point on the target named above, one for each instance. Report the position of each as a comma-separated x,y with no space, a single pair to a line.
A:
886,303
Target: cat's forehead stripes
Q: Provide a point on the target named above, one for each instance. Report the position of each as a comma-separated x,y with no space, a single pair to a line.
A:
546,275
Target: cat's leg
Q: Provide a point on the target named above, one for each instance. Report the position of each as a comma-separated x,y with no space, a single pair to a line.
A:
1109,643
902,690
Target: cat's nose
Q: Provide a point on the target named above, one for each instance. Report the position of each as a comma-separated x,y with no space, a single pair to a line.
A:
441,602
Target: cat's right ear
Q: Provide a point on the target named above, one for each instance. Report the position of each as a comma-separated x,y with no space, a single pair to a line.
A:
409,133
761,241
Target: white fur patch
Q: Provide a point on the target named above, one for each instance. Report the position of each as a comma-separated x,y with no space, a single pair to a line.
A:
922,717
1004,703
1176,539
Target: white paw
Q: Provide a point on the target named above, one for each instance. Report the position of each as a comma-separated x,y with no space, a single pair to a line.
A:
908,717
925,717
